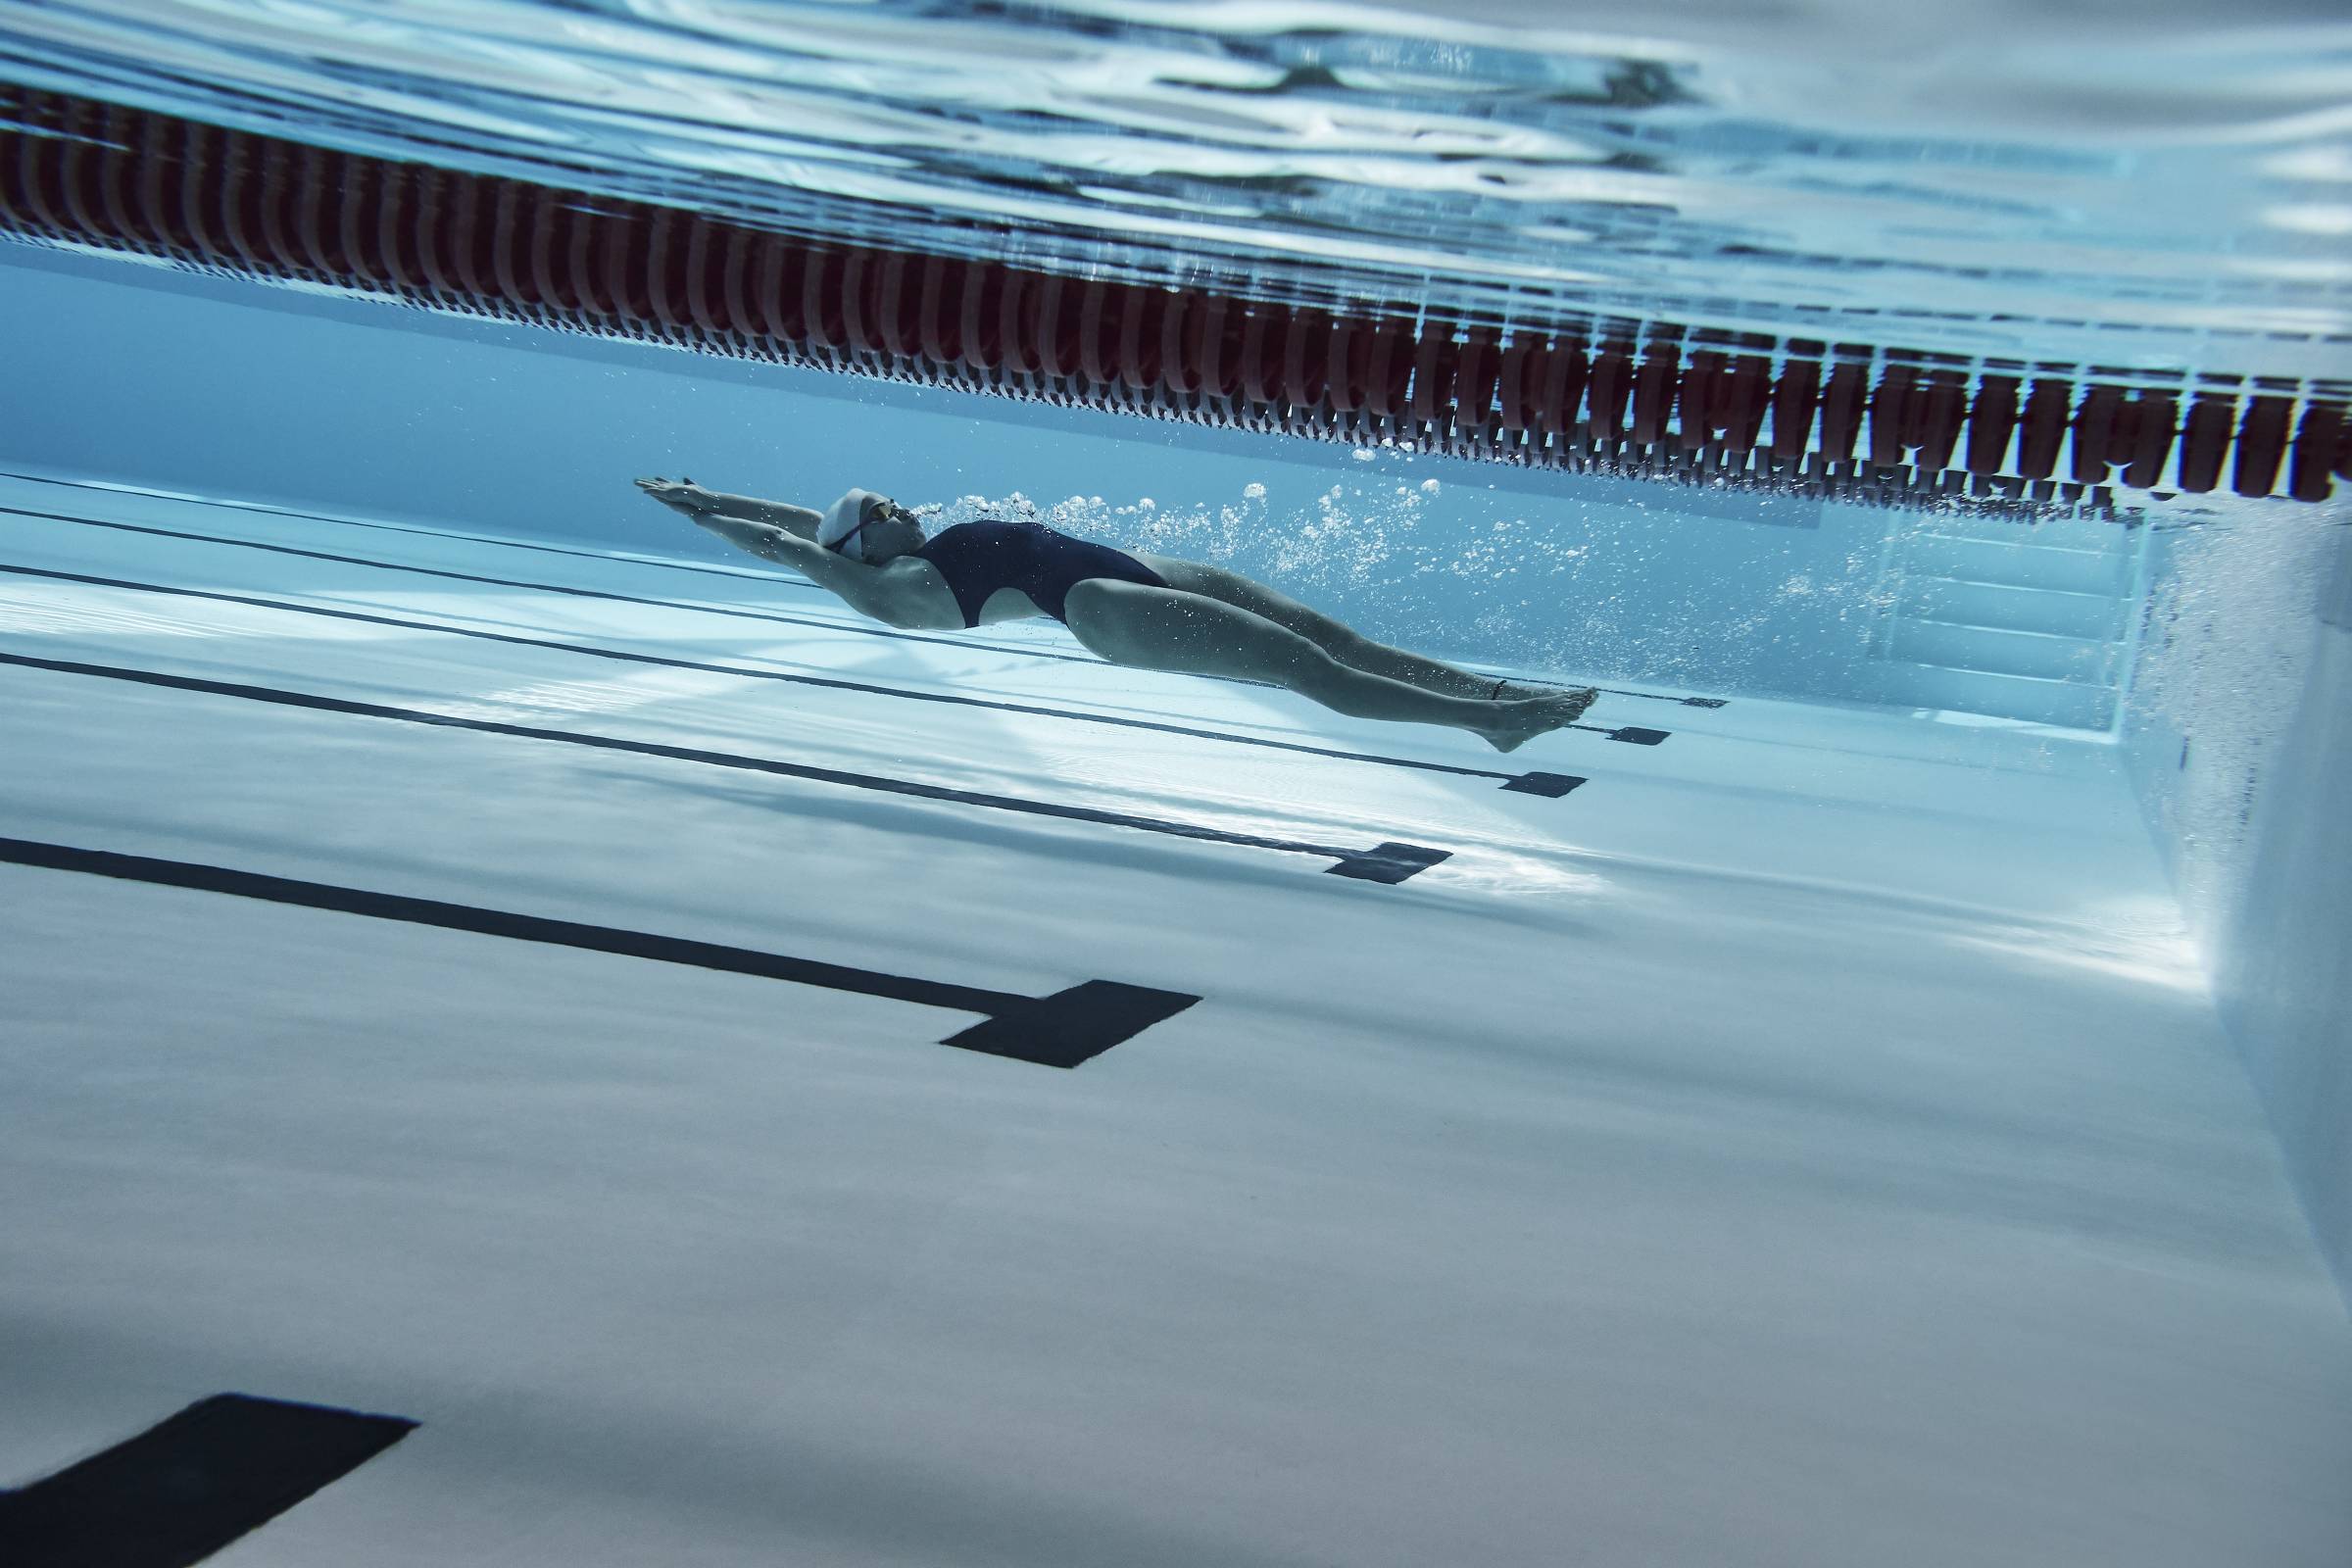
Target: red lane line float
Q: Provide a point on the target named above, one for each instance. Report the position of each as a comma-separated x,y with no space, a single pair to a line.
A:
1432,375
2095,426
1344,356
1305,352
575,228
2261,445
822,322
1519,380
158,193
2316,439
1695,425
664,287
1142,320
2042,428
312,221
1217,329
1181,320
537,284
706,279
24,196
859,283
1610,388
396,231
1017,320
1476,365
81,177
1747,398
739,256
433,236
279,239
1942,403
1886,416
940,310
2205,441
2151,439
980,319
1794,399
124,129
1653,392
1057,327
1558,394
1262,332
1842,411
1389,374
196,184
1097,327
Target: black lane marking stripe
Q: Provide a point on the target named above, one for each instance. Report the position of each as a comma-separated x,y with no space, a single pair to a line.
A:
190,1485
547,587
264,509
1383,855
1062,1029
664,604
1551,785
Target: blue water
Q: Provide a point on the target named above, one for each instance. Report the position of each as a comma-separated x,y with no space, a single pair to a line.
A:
2160,185
475,949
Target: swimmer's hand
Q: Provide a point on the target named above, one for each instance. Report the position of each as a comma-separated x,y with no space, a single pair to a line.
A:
679,495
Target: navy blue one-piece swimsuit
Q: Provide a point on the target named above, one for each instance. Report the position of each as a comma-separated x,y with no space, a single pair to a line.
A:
979,558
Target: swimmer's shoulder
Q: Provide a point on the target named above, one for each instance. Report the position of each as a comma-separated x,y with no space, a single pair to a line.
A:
908,591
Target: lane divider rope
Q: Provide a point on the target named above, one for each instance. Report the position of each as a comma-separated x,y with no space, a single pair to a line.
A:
1655,400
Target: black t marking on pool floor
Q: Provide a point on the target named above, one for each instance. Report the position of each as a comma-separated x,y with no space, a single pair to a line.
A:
1383,862
818,623
1062,1029
1545,784
188,1486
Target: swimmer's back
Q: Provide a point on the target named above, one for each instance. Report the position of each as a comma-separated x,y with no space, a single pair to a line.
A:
978,558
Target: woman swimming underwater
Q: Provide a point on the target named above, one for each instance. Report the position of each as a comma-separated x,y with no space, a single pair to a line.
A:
1145,611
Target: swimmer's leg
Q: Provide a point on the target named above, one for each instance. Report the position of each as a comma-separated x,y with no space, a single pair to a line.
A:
1167,628
1336,638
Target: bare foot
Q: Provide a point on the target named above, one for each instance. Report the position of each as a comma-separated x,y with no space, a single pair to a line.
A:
1523,719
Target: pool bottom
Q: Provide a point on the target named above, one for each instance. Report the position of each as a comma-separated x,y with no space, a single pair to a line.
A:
1808,1138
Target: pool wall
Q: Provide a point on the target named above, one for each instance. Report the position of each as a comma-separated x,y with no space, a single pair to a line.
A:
2239,736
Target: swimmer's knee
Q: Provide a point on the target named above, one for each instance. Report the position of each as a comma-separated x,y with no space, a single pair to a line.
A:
1310,669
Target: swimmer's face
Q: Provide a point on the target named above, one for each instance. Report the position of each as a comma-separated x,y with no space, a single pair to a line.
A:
893,534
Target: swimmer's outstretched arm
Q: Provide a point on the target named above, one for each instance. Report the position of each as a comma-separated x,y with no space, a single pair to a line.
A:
687,497
783,514
862,587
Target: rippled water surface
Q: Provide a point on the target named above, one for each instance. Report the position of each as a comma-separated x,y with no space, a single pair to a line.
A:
2156,185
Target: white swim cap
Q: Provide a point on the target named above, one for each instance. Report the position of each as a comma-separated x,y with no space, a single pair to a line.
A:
843,528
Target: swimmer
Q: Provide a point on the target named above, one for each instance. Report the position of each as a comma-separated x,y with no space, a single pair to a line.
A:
1149,611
